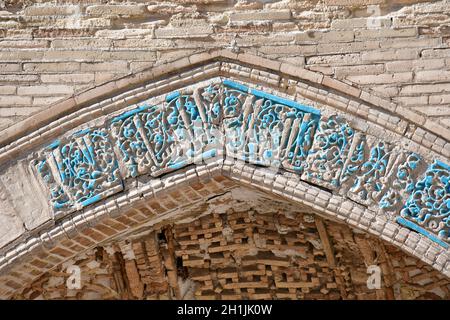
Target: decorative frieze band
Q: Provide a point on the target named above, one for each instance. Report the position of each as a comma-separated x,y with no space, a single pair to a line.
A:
226,118
80,170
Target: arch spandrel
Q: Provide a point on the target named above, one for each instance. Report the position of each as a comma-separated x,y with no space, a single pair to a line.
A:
229,118
307,150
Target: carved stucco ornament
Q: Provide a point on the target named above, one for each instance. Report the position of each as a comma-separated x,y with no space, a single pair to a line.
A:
226,118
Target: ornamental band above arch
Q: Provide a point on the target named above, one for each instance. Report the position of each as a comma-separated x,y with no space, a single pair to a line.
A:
230,119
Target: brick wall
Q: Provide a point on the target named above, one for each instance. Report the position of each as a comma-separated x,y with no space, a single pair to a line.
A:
52,50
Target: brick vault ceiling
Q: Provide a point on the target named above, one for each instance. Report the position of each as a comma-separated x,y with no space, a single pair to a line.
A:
241,244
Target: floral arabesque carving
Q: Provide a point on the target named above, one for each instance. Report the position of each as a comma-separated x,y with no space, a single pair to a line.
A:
251,125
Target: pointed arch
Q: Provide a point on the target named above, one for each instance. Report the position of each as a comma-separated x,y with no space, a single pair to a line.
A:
295,133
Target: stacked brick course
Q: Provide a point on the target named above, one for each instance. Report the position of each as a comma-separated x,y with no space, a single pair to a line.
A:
398,50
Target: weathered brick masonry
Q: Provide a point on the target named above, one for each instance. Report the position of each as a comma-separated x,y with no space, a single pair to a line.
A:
93,94
49,51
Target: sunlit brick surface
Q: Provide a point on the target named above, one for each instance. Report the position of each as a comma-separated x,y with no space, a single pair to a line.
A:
231,248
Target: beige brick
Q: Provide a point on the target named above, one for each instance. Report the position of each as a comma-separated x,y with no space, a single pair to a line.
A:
410,43
436,53
44,101
101,77
9,67
143,43
295,60
373,69
378,101
21,55
340,86
352,2
9,24
322,69
5,122
186,32
410,115
400,54
22,111
440,99
259,61
123,33
24,44
45,90
276,38
19,34
436,128
190,43
301,73
7,89
201,57
351,24
122,10
73,55
330,36
68,78
116,66
143,55
433,111
385,33
385,90
432,75
18,78
284,26
340,59
445,121
52,67
382,78
292,49
167,8
90,23
81,43
170,55
95,92
412,101
261,15
51,10
347,47
14,101
425,88
408,65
